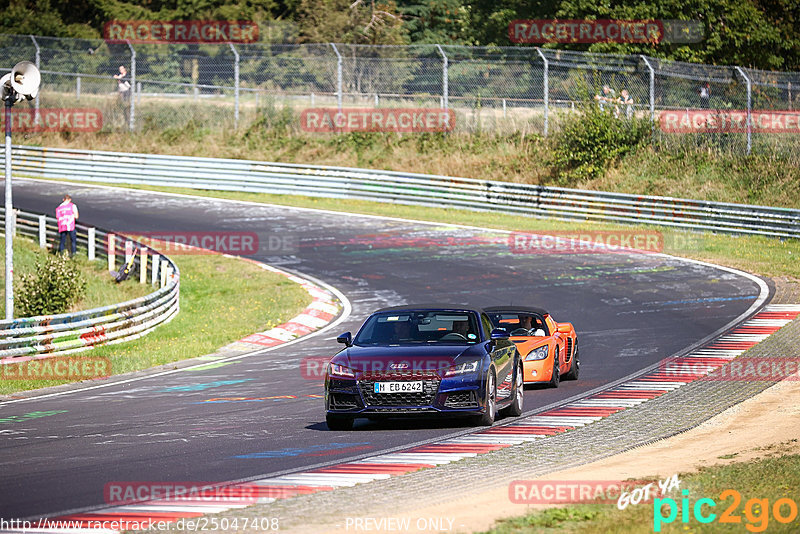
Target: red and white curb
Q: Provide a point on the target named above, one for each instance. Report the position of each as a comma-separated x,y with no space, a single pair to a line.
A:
322,310
568,417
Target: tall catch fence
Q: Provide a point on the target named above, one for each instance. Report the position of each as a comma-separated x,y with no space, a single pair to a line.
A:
505,89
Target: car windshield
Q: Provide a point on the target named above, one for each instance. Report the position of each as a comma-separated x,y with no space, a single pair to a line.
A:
424,326
519,323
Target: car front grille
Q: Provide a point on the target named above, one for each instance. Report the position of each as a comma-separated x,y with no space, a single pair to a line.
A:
423,398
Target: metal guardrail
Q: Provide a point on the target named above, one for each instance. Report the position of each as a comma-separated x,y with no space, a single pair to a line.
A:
73,332
404,188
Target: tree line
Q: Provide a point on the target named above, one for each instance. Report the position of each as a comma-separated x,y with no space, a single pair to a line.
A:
762,34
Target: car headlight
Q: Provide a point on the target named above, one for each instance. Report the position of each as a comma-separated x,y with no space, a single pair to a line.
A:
463,368
340,370
539,353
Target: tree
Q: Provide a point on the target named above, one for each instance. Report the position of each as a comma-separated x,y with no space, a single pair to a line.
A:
345,21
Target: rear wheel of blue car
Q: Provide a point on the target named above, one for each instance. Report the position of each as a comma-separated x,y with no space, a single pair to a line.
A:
339,422
487,418
515,409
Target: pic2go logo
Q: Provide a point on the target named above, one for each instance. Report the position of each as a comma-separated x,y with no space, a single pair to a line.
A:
756,511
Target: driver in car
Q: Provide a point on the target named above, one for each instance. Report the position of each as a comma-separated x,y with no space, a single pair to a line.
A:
402,331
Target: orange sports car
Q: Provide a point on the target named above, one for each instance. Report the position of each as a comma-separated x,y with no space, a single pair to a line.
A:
549,349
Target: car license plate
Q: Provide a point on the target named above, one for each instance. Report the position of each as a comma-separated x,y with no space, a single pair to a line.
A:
398,387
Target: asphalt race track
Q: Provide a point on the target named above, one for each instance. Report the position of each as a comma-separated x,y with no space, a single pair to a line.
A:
630,311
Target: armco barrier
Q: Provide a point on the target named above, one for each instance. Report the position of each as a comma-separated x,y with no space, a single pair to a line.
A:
73,332
403,188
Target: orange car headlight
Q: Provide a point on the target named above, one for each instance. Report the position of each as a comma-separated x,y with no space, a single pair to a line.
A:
539,353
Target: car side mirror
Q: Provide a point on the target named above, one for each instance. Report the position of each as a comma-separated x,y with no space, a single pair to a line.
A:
346,338
564,329
498,333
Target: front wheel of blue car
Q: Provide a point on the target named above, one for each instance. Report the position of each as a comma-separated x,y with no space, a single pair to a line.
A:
487,418
339,422
515,409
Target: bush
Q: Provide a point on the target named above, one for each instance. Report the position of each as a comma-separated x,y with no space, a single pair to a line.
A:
53,288
593,139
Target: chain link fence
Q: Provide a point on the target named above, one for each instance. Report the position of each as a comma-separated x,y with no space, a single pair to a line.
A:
502,89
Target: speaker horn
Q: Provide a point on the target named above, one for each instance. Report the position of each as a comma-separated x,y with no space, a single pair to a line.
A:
24,79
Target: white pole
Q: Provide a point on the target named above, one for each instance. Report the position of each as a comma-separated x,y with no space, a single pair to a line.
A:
42,231
164,266
154,272
91,239
9,218
143,266
111,240
128,252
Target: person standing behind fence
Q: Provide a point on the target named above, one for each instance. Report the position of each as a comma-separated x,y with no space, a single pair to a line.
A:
705,95
123,85
124,91
67,214
627,101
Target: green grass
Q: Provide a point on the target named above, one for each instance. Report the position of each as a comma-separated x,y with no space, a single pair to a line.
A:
773,476
101,290
222,300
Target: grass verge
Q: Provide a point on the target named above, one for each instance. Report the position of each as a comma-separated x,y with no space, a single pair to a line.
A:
691,169
758,485
222,300
101,290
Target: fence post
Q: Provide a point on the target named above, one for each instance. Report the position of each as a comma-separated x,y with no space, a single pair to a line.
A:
164,266
128,251
78,88
652,94
154,273
445,87
42,231
132,120
338,77
91,239
111,241
546,91
235,86
142,265
749,109
38,66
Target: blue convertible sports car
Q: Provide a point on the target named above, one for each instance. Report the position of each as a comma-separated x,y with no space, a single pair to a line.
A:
419,360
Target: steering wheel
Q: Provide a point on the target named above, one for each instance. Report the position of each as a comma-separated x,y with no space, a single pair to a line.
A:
520,332
453,336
